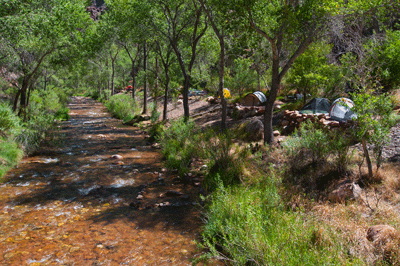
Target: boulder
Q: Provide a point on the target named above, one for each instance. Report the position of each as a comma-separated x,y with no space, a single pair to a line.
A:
276,133
382,233
255,129
345,191
137,119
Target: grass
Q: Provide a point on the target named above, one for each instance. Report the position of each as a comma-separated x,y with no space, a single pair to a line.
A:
250,226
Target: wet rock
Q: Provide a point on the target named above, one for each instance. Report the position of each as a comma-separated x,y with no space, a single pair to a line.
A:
173,193
117,157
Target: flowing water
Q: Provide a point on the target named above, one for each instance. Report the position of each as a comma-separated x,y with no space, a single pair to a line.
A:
98,197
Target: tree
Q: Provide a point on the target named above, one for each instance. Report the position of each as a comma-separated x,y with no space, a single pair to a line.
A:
289,27
181,22
373,123
34,31
218,28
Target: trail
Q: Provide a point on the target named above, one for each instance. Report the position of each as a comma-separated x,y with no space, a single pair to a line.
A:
74,204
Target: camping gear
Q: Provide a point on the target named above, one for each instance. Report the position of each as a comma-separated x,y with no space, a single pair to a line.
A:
254,99
340,110
227,93
316,106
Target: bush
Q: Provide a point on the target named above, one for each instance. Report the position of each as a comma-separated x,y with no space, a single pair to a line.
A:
178,145
10,123
122,106
225,165
10,155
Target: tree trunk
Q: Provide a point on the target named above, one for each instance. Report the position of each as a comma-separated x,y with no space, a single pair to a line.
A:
145,78
186,98
368,159
221,82
22,102
166,95
269,104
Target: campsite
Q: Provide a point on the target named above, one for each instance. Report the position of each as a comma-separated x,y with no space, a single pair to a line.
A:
199,132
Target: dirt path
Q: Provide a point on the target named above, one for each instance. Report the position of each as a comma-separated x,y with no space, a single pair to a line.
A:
75,205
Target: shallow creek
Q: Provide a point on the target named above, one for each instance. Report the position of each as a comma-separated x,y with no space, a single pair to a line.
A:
74,204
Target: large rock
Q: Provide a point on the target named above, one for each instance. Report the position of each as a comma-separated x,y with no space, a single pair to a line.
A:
137,119
255,130
382,233
345,191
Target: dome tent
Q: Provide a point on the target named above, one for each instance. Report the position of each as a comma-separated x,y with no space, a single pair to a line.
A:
316,106
254,99
340,110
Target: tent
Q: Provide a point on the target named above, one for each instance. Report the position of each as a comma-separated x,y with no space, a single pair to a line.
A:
316,106
254,99
340,110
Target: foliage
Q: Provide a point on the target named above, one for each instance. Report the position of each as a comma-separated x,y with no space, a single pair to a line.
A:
178,144
249,226
242,78
312,74
389,58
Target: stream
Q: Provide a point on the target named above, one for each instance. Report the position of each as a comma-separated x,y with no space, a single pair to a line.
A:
97,195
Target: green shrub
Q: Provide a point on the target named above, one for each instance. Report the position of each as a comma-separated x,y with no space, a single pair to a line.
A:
156,130
62,114
10,123
224,165
122,106
308,144
248,226
178,145
10,155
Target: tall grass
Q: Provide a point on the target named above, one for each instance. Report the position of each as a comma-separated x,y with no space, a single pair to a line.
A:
249,226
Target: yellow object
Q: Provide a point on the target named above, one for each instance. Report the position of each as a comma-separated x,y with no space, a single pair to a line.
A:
227,93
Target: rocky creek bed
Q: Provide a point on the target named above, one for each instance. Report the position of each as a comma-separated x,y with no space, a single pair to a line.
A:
100,196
